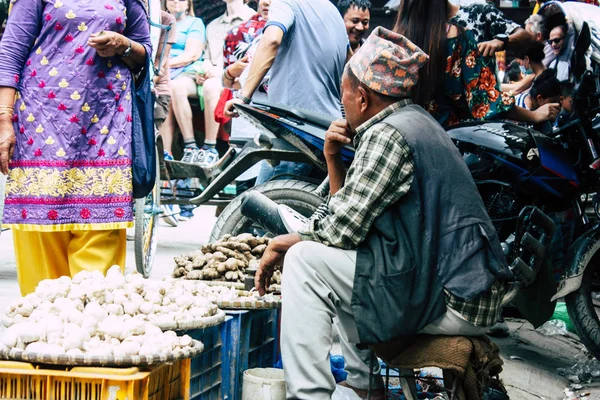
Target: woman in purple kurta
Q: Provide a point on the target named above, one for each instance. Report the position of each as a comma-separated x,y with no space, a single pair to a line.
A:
66,66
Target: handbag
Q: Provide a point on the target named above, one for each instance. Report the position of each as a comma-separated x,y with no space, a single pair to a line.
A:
143,141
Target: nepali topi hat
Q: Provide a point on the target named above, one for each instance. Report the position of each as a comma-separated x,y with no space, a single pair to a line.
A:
388,63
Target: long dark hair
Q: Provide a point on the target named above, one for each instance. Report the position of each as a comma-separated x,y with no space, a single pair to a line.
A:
423,22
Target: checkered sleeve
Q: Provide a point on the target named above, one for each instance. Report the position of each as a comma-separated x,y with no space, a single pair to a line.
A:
381,173
483,310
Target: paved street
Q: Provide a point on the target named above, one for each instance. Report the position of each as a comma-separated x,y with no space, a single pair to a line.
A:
531,359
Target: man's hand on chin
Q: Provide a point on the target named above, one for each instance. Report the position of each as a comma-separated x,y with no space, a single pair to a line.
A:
273,256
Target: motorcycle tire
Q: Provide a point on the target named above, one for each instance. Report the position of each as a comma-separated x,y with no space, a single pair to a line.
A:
296,194
582,312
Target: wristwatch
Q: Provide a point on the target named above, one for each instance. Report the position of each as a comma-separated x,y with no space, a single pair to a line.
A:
127,52
503,37
243,98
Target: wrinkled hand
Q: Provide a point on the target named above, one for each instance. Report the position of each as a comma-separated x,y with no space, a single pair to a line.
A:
108,43
236,69
270,259
488,49
547,112
201,77
7,144
230,110
336,137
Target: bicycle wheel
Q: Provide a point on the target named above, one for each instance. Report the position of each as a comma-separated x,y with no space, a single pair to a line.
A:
147,211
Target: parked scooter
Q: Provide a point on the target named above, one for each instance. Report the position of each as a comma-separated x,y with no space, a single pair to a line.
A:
521,175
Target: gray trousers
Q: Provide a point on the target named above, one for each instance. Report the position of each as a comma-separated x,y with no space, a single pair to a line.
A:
316,293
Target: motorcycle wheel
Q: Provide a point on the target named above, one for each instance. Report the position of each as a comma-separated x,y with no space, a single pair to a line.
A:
293,193
584,309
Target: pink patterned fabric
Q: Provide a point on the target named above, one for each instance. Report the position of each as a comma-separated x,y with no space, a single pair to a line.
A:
72,161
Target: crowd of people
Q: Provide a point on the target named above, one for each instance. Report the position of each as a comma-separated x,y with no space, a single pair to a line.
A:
402,248
209,65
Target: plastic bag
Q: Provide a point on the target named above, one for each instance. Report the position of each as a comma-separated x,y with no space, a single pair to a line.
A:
554,327
561,314
344,393
584,371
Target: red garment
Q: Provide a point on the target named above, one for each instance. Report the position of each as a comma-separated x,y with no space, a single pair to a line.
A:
243,33
220,117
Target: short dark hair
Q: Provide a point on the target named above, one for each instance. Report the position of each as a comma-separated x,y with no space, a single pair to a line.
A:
535,52
344,5
546,85
567,88
514,71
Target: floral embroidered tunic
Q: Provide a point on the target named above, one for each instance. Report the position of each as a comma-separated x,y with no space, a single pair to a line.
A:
471,91
71,167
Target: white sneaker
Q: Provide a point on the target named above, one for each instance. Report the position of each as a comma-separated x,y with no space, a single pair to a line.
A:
168,215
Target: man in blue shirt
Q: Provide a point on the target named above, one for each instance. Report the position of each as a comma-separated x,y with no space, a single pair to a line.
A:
304,46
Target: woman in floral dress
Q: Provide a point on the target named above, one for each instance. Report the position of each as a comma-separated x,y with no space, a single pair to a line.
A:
65,67
458,83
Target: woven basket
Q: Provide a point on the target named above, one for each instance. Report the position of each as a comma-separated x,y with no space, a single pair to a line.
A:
192,323
98,361
249,304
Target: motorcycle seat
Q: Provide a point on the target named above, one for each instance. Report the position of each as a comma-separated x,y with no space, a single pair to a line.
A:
321,120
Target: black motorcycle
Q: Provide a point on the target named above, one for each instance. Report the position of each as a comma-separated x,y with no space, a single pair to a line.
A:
522,175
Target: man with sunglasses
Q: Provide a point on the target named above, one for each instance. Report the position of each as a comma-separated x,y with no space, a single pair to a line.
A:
559,42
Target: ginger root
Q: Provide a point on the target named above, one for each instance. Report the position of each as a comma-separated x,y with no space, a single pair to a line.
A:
259,250
194,274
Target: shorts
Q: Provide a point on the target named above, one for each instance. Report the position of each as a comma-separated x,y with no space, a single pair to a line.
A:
161,109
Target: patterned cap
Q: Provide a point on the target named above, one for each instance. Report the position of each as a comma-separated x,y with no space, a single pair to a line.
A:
388,63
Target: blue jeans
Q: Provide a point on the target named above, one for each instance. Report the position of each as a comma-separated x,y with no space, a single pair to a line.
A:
284,167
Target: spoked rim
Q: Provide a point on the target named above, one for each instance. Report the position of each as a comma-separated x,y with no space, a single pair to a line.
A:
146,226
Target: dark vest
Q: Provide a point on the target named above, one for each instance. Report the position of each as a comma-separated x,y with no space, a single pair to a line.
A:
436,236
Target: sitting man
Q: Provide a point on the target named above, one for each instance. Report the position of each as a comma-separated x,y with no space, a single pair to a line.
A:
405,248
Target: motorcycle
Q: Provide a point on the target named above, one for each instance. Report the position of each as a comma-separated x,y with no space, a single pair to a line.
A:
522,176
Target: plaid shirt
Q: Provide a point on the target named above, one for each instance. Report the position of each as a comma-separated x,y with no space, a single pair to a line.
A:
381,173
243,33
483,310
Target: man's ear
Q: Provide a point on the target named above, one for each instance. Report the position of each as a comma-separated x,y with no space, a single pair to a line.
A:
362,99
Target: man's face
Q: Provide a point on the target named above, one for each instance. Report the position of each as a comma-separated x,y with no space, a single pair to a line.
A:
557,40
263,8
350,104
357,24
567,103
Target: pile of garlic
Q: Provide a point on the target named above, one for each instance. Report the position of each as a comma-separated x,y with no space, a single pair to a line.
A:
90,311
108,336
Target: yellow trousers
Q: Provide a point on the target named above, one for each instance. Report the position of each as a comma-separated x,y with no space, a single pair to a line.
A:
50,255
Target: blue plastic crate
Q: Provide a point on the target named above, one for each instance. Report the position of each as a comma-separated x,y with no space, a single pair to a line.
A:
207,368
257,336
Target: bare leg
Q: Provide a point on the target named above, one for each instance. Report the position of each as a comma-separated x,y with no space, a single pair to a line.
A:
183,87
167,130
212,92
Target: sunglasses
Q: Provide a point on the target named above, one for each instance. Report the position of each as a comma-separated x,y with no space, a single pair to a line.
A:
555,41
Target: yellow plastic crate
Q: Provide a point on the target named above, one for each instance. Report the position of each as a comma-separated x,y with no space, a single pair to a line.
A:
25,381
